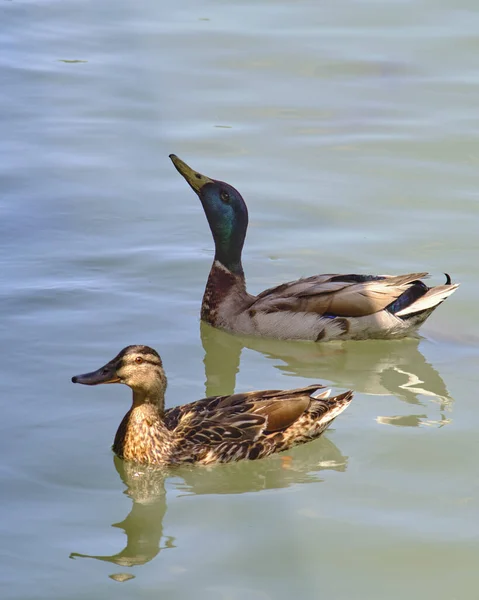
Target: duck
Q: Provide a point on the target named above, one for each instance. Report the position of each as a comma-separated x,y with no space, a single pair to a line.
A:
218,429
318,308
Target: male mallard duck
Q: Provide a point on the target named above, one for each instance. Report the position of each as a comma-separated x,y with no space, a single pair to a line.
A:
318,308
217,429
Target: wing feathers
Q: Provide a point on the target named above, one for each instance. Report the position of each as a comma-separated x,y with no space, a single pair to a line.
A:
241,416
283,413
355,296
251,425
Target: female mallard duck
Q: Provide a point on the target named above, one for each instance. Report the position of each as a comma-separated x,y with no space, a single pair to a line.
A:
216,429
318,308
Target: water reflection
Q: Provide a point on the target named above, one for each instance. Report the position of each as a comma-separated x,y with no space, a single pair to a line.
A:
145,485
299,465
384,367
143,525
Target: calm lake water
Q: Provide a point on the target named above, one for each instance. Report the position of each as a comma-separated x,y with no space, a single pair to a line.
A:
351,130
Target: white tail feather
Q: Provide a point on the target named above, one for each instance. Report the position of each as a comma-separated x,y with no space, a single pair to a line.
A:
321,395
431,299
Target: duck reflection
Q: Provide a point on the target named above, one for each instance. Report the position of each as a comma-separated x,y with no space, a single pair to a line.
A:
143,526
147,487
382,367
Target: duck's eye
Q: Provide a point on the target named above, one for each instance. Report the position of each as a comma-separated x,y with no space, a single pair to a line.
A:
225,197
138,360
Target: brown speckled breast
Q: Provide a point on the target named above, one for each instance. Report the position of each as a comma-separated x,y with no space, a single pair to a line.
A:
142,437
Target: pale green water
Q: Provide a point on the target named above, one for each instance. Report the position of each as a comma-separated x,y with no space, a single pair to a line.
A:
351,129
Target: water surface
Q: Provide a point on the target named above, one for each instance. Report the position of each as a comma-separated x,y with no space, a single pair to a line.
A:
351,130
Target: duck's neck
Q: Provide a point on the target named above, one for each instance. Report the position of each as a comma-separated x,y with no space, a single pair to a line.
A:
142,435
154,397
222,283
229,242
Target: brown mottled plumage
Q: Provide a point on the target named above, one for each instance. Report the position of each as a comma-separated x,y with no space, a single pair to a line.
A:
216,429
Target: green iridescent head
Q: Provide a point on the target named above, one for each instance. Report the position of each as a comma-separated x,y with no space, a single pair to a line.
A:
226,213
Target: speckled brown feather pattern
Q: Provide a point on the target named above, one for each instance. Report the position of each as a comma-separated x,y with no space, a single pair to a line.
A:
142,436
227,428
216,429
